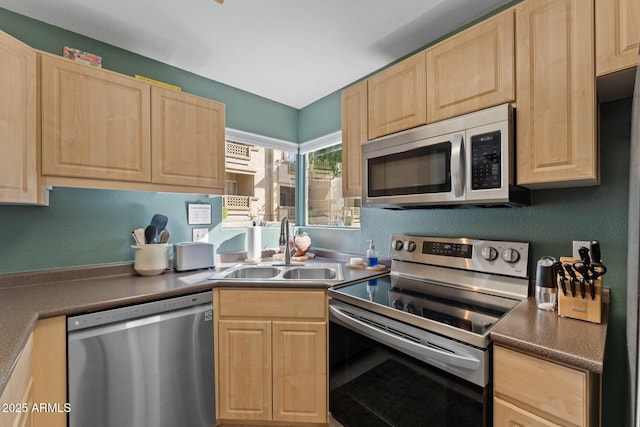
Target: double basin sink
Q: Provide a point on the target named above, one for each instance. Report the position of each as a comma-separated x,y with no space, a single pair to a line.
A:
314,272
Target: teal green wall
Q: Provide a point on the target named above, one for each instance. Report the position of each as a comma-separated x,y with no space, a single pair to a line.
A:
320,118
554,219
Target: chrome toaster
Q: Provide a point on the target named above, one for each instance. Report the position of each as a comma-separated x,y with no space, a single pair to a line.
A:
193,256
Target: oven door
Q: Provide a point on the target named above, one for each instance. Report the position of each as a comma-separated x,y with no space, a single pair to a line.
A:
387,373
404,172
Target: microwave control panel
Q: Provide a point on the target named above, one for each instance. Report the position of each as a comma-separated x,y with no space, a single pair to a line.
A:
486,161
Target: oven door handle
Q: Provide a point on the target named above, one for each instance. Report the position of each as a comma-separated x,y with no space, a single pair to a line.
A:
427,353
457,165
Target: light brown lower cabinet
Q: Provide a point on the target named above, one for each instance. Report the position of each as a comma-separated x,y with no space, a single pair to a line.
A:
37,390
530,391
17,398
271,356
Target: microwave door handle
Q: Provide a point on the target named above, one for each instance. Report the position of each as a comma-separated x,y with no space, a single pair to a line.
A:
457,165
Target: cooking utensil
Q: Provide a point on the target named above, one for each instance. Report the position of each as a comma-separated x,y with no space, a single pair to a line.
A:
572,278
595,251
150,233
164,236
597,269
590,272
159,221
584,255
138,236
560,273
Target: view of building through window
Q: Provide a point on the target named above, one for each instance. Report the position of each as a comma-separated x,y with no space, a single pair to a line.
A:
325,203
259,185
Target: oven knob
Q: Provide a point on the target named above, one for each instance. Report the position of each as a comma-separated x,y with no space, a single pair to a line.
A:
510,255
489,253
397,245
409,246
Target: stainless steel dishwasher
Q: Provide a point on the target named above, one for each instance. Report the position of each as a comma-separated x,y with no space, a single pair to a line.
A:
144,365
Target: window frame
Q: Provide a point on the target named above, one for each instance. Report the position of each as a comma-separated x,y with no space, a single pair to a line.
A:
263,142
320,143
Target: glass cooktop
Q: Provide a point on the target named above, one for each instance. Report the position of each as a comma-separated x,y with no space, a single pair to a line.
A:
463,309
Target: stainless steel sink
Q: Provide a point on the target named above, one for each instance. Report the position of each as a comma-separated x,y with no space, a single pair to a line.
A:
310,273
253,272
278,272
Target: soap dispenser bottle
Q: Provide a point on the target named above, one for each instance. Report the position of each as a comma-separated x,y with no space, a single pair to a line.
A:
372,254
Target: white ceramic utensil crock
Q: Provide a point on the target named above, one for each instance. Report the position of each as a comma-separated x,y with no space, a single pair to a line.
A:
151,259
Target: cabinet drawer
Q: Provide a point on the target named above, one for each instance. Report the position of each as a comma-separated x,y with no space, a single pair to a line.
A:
506,414
277,303
541,385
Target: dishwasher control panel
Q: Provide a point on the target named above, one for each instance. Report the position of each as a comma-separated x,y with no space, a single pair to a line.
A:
144,309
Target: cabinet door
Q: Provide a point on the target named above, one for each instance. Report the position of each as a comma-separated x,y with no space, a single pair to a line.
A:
617,33
506,414
50,370
18,126
95,123
397,97
300,371
18,393
354,133
555,92
473,69
244,370
188,137
553,391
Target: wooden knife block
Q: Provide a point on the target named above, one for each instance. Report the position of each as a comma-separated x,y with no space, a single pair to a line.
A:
577,307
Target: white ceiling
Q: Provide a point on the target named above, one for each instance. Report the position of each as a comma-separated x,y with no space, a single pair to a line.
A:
290,51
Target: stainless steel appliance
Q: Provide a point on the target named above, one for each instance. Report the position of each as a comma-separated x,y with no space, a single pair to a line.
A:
467,160
143,365
411,348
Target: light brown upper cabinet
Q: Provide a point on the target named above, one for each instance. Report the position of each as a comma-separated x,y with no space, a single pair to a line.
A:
555,93
354,133
396,97
102,129
617,35
95,123
473,69
187,135
18,124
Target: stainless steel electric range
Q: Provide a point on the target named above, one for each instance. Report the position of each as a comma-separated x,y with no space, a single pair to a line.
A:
411,348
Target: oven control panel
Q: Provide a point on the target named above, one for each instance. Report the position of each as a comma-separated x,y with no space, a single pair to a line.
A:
486,256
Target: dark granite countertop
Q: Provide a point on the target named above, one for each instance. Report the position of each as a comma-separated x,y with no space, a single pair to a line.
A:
542,333
27,297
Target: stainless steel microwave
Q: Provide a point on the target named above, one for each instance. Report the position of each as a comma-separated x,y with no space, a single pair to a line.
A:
466,160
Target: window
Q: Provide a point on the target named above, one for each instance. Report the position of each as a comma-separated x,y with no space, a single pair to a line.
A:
325,204
259,185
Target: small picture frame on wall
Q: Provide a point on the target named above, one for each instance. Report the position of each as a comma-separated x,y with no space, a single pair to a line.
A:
199,213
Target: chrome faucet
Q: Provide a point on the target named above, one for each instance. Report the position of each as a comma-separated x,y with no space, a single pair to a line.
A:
284,240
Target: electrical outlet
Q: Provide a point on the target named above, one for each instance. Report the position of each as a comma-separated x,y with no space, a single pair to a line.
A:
201,235
577,244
